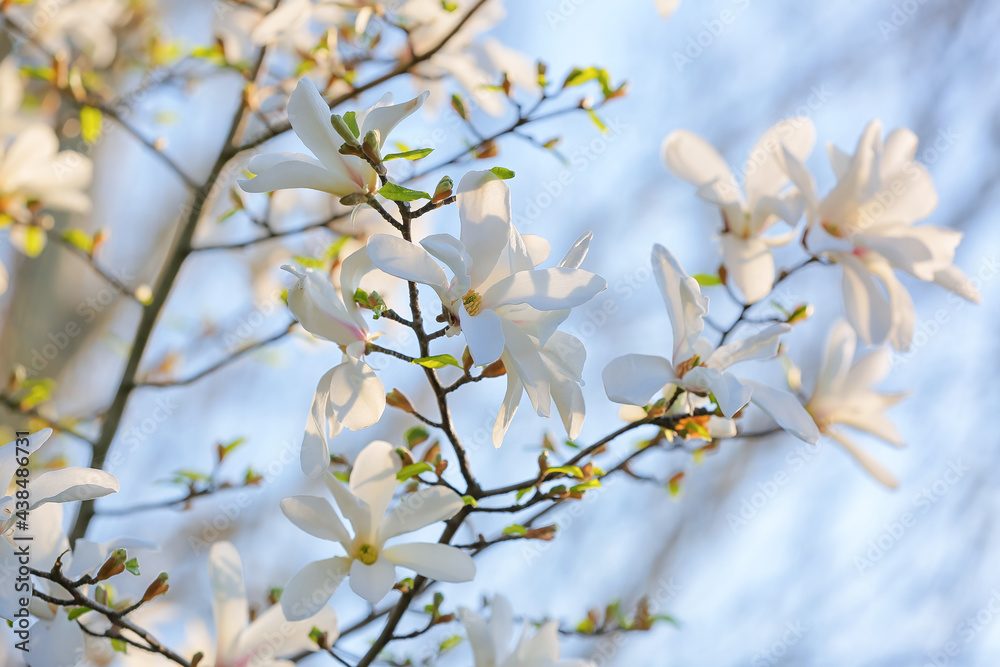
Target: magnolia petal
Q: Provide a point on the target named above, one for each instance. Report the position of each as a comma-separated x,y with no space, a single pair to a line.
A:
312,587
784,409
545,644
731,394
478,633
356,395
526,362
691,158
9,455
309,116
874,468
353,508
508,407
484,210
373,582
61,644
450,251
292,174
229,598
634,378
538,248
440,562
385,116
319,308
749,264
867,308
373,478
545,289
686,306
68,485
766,172
271,634
761,345
484,334
951,278
422,508
316,517
837,358
321,425
408,261
574,256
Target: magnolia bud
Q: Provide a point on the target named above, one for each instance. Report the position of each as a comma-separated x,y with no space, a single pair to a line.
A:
115,564
443,190
396,399
158,587
343,129
354,199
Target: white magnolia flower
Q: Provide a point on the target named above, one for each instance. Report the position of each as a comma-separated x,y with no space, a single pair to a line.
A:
65,485
746,252
270,637
506,308
370,562
843,395
332,172
85,26
291,23
881,192
349,395
491,640
697,366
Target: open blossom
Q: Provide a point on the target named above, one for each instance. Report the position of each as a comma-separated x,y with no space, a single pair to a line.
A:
370,562
64,485
270,637
85,26
881,192
349,395
697,366
506,308
746,251
329,171
491,640
843,396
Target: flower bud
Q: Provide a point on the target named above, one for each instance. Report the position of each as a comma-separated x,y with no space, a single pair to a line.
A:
396,399
115,564
343,129
354,199
158,587
443,190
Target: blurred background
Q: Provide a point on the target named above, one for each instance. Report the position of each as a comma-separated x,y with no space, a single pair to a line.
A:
817,570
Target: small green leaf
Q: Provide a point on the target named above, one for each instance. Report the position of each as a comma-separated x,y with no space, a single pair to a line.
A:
409,155
449,6
438,361
351,118
521,493
309,262
585,486
79,239
415,436
76,612
132,565
517,530
707,279
597,120
449,643
399,193
470,501
119,645
572,471
413,470
502,173
90,124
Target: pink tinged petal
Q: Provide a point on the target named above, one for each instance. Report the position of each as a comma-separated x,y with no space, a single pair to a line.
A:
9,455
484,334
307,593
546,289
508,407
385,115
731,394
749,264
373,582
316,517
837,358
761,345
272,635
67,485
484,210
422,508
373,478
229,598
867,307
634,378
483,652
692,159
574,256
686,306
356,395
440,562
784,409
353,508
874,468
526,362
407,261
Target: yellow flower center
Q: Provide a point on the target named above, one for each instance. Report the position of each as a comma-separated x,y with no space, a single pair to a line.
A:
367,554
473,302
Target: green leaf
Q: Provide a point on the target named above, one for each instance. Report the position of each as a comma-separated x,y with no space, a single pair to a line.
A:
191,475
449,6
90,124
449,643
119,645
597,120
707,279
585,486
79,239
399,193
502,173
34,240
516,530
415,436
132,565
572,471
309,262
351,119
470,501
228,447
438,361
413,470
333,252
76,612
521,493
409,155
